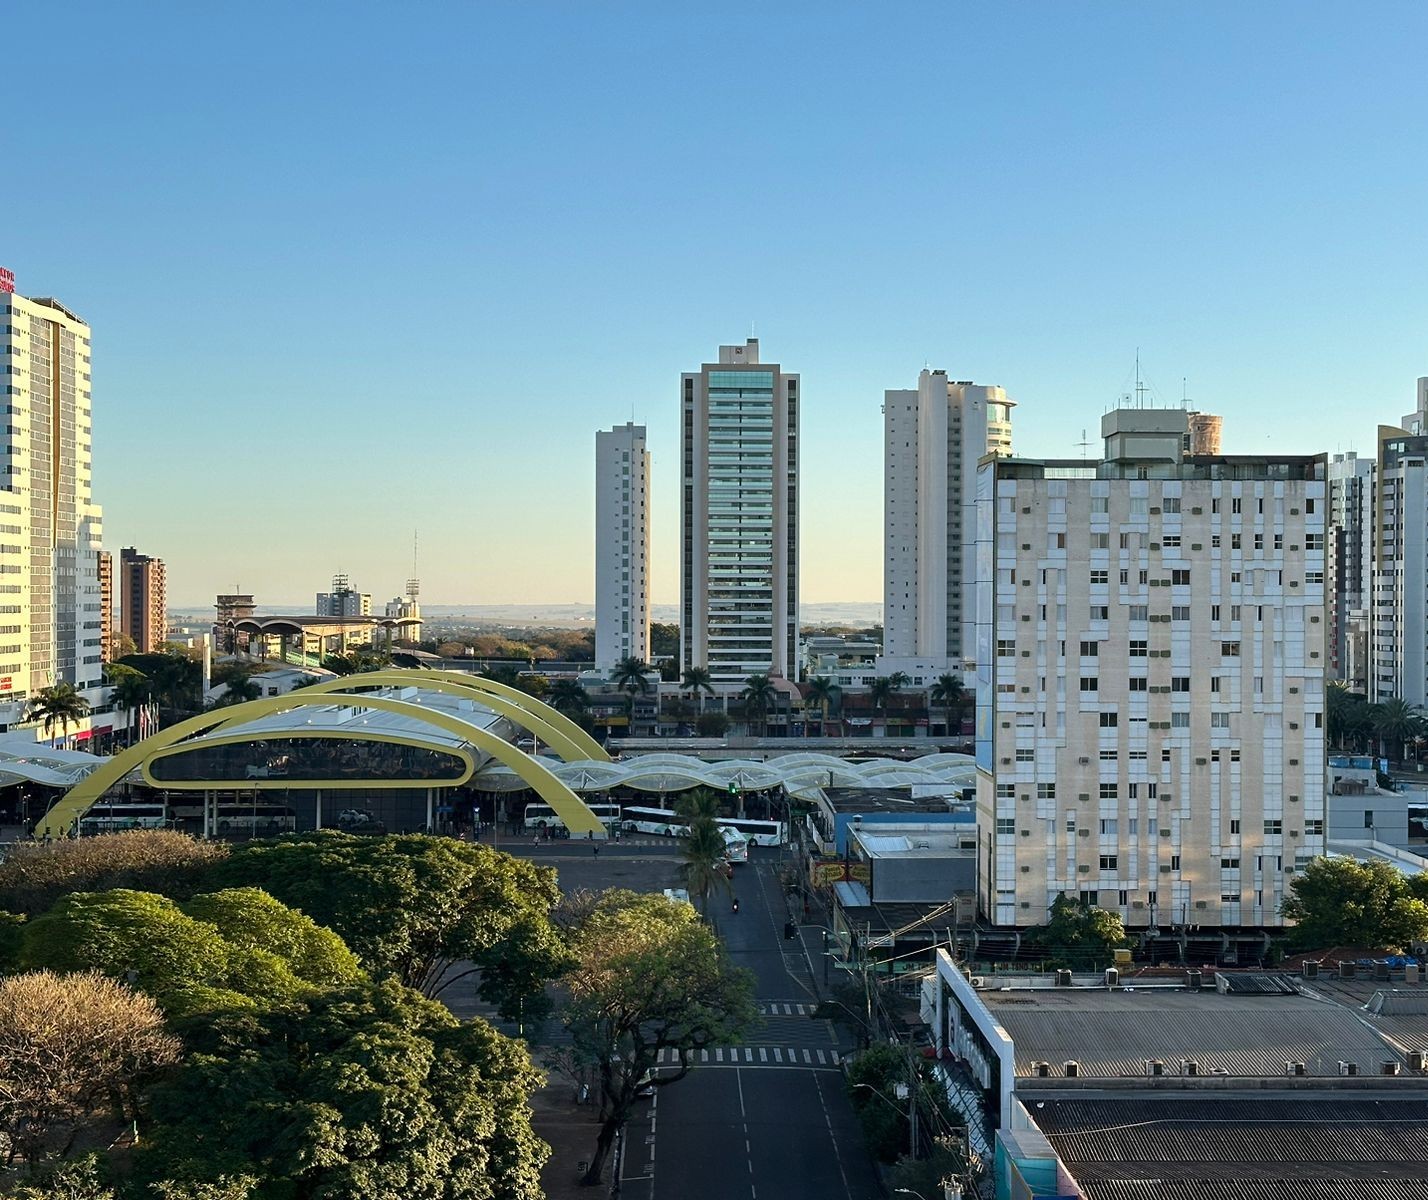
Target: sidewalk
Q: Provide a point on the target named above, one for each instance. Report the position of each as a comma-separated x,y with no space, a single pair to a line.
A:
570,1129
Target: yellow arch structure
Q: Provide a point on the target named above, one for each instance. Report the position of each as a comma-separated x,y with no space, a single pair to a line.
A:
80,798
522,712
588,746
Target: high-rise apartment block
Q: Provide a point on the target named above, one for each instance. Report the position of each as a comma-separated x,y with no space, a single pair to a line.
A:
1151,662
1398,629
144,599
622,545
104,565
739,517
50,603
933,439
342,601
1350,567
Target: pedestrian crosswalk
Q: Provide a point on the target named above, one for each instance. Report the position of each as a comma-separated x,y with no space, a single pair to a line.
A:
756,1056
779,1008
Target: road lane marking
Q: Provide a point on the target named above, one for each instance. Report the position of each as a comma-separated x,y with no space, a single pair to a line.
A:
837,1158
763,1055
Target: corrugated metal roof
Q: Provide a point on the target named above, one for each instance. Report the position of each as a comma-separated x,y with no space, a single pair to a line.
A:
1329,1146
1240,1035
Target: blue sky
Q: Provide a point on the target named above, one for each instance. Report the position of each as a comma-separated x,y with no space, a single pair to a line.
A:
361,269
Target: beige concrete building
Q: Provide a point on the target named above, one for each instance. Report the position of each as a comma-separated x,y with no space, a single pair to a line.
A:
1151,664
50,603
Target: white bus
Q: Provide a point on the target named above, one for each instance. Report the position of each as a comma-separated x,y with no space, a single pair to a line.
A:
667,823
540,817
736,846
759,833
121,814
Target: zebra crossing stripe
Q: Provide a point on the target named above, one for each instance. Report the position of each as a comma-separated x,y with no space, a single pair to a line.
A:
778,1055
718,1056
763,1055
808,1058
748,1055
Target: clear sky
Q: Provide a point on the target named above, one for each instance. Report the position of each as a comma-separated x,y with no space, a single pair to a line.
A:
357,269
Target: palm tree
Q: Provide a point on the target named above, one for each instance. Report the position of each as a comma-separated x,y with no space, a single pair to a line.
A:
949,692
240,690
1396,721
700,804
822,691
128,689
697,681
630,675
758,696
701,854
567,696
60,705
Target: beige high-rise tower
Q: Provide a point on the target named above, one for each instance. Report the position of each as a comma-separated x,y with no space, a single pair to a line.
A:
50,605
144,610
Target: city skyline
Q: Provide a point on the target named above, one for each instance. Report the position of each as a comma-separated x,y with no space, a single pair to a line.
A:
1259,241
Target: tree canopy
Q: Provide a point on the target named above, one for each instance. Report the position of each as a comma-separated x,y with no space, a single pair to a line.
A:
34,875
649,976
1342,902
1078,934
184,960
364,1093
412,905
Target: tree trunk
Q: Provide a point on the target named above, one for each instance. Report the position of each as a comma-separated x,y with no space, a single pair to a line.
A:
603,1145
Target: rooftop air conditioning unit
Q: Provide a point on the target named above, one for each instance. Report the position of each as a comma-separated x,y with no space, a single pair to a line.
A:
1063,978
1189,1066
1154,1066
1348,1068
1113,977
1042,1069
1294,1068
1416,1060
1390,1066
1083,761
979,981
1310,970
1072,1068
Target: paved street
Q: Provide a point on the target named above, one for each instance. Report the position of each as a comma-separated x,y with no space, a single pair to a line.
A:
768,1117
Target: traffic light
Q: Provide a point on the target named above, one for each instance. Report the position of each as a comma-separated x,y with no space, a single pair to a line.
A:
733,787
790,930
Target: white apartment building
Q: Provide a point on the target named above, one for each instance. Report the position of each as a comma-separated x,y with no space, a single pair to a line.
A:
1351,567
933,439
1151,662
739,517
342,601
50,609
622,545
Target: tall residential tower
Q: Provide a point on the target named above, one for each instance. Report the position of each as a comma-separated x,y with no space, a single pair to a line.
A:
739,517
1150,691
622,545
144,603
933,439
50,605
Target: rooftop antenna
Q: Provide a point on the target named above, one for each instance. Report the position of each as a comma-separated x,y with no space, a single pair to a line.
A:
1140,388
1085,445
1185,392
414,584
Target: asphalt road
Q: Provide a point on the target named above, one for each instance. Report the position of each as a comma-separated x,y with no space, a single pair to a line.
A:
768,1117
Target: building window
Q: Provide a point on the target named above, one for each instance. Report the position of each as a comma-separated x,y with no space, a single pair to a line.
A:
1229,649
1100,541
1100,612
1006,825
1181,612
1090,649
1046,791
1006,649
1089,683
1137,683
1180,683
1110,826
1108,862
1139,649
1229,864
1180,578
1273,828
1108,720
1025,756
1100,578
1108,791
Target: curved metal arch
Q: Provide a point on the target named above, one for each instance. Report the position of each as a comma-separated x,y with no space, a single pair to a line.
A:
589,747
218,737
520,714
80,798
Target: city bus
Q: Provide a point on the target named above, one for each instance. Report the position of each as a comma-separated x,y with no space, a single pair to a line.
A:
760,833
540,817
667,823
111,817
250,819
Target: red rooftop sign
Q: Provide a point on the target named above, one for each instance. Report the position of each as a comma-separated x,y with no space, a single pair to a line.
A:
7,280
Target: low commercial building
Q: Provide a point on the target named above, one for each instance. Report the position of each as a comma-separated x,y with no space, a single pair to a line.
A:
1236,1085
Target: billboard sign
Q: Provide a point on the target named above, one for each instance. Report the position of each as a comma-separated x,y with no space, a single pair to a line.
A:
7,280
1417,825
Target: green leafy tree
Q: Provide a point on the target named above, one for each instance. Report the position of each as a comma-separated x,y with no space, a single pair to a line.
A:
177,680
712,724
240,690
872,1081
664,640
183,961
1342,902
412,906
60,705
1078,933
34,875
128,689
250,919
649,976
822,691
948,691
364,1093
